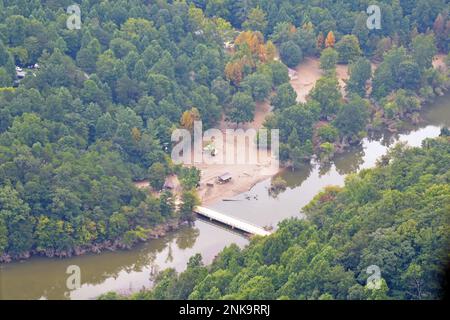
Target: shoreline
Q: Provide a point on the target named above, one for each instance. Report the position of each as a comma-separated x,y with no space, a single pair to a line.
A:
157,232
308,73
247,175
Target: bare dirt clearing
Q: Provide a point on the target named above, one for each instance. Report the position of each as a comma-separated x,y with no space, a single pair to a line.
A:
308,72
245,176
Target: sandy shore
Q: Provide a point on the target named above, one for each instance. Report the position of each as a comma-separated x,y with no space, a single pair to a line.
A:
308,72
245,176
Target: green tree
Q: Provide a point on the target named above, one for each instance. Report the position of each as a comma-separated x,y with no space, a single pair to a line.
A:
105,126
5,78
3,236
280,73
424,49
348,49
257,288
386,77
256,20
327,133
258,84
87,57
290,53
166,204
409,75
157,175
327,93
352,117
328,59
242,108
284,97
413,277
15,214
118,225
360,72
222,90
189,200
189,178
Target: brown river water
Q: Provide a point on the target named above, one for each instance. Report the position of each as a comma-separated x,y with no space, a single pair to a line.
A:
129,271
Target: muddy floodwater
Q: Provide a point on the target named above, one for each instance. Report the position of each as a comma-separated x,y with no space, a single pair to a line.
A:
129,271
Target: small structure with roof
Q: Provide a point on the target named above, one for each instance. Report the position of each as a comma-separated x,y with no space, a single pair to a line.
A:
224,178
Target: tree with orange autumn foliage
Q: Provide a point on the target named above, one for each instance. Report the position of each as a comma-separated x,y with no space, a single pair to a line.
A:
253,39
292,29
250,49
234,71
330,40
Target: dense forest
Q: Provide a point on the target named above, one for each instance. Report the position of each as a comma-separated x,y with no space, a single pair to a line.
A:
94,108
395,216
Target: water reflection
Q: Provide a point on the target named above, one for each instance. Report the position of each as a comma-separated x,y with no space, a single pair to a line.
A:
350,161
126,271
123,271
295,178
304,183
27,279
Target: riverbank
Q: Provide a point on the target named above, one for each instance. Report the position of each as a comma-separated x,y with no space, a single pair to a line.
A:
130,270
244,177
127,271
157,232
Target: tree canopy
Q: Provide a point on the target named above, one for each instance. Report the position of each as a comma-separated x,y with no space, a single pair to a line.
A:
394,216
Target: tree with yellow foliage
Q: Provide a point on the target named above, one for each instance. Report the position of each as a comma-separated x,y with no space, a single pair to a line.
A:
189,117
234,71
251,49
308,26
330,40
271,51
253,39
136,134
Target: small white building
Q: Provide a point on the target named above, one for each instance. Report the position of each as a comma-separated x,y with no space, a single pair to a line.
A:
20,74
